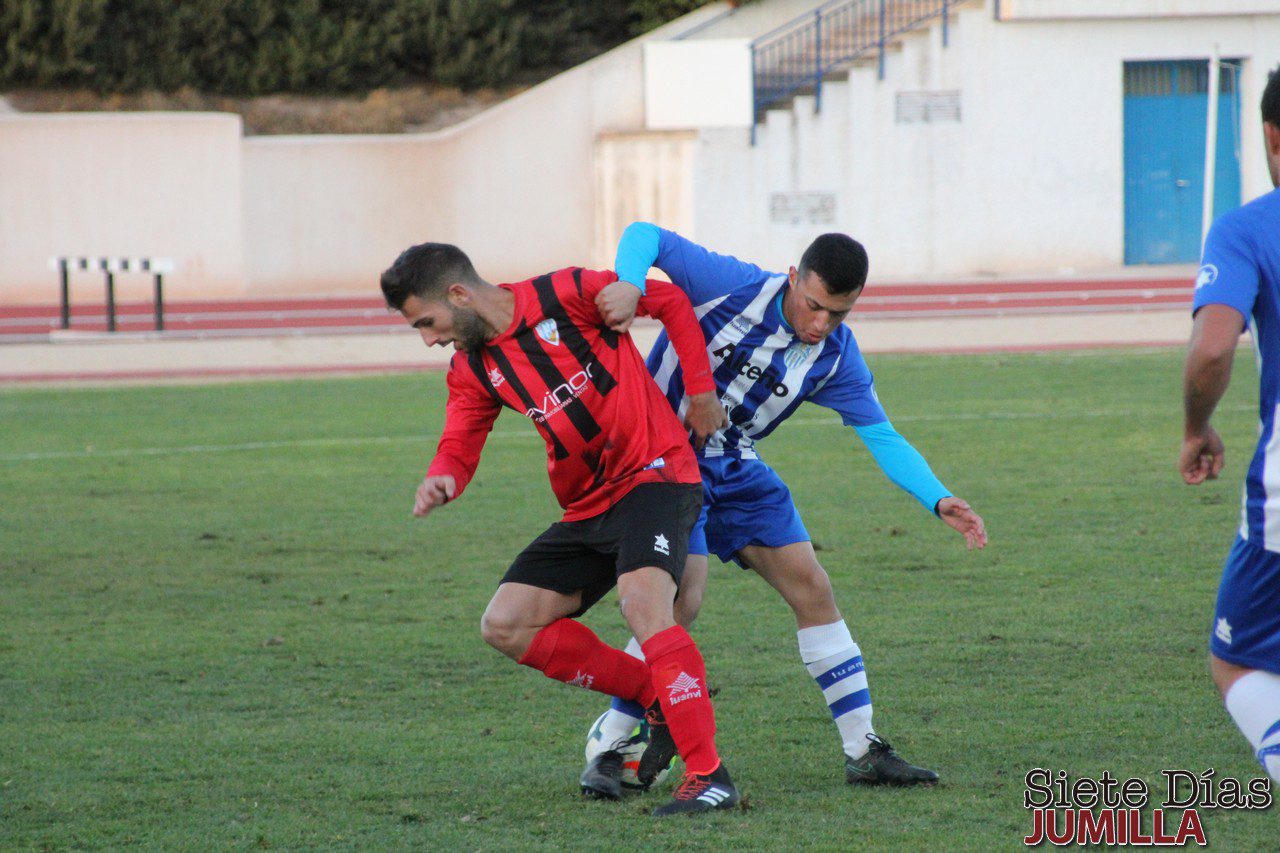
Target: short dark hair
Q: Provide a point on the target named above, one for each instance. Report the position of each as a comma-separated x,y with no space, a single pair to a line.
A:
1271,98
426,271
839,260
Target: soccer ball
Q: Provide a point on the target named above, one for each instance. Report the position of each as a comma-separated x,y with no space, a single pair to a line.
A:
632,747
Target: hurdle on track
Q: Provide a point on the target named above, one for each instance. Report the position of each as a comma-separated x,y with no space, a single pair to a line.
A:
157,267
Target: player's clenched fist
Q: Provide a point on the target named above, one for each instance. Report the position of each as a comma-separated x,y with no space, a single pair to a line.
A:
1201,457
433,492
617,305
705,417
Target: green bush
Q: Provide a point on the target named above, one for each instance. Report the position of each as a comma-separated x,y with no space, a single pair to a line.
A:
47,43
238,47
649,14
464,43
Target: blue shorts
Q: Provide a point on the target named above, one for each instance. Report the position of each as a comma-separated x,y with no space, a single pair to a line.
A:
1246,621
744,502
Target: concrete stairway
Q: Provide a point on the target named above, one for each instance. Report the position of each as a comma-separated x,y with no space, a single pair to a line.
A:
795,58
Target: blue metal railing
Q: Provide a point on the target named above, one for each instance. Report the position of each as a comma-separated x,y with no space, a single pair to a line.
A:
798,54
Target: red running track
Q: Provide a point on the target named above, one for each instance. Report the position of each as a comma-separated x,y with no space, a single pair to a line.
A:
304,315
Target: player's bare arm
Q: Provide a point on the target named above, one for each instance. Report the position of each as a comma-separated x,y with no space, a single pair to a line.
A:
959,516
433,492
1205,379
617,305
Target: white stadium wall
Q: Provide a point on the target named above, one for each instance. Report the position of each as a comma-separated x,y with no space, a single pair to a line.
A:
1029,180
697,83
513,187
1063,9
160,185
328,213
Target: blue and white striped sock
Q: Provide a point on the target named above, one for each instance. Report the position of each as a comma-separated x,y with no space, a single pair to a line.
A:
1254,703
835,662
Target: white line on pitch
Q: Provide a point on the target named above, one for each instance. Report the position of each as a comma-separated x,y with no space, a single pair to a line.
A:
92,453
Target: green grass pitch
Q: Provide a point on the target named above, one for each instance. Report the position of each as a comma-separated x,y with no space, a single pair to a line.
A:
220,627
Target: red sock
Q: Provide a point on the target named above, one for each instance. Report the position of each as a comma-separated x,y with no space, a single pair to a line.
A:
569,651
680,678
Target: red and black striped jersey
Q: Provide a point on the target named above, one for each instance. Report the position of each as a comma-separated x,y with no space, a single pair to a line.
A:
607,425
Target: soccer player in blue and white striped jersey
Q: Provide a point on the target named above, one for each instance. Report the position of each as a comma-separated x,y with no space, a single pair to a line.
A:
775,340
1239,282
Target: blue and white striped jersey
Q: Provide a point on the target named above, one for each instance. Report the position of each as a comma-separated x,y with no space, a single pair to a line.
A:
762,371
1241,269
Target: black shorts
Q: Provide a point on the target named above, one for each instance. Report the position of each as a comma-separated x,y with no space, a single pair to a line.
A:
649,527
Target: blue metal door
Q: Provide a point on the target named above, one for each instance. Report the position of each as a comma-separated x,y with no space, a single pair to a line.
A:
1166,106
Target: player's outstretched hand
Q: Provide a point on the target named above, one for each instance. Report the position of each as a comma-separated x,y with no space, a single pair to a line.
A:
1202,457
705,417
433,492
957,514
617,305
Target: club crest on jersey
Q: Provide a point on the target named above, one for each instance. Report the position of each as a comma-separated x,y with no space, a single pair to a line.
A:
548,332
797,354
496,378
1208,275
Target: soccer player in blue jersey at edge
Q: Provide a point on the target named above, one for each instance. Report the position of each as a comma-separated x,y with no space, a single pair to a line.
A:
775,340
1239,283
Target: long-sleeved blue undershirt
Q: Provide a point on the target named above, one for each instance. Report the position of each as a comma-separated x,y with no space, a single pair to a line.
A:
637,251
903,464
899,461
641,247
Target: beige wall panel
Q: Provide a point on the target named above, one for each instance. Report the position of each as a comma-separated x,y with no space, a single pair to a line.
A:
329,213
130,184
642,177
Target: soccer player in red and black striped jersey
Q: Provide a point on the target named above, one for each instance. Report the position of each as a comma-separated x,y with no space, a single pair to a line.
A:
620,464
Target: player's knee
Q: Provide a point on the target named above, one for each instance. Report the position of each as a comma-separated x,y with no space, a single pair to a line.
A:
814,586
501,632
1224,674
647,612
811,597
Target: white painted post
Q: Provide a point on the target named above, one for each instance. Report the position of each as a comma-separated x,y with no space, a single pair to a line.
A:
1210,148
